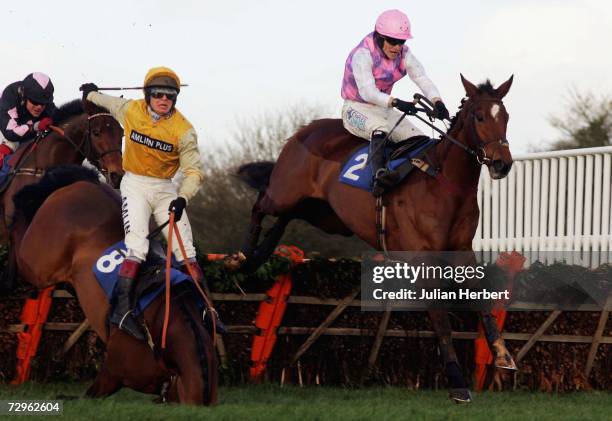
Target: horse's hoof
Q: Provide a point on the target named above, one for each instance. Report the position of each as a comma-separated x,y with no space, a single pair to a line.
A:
503,359
506,362
460,395
234,261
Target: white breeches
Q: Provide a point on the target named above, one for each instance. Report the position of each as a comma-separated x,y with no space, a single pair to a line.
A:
145,196
362,119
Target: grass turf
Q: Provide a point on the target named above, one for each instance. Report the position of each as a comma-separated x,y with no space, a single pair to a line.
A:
322,403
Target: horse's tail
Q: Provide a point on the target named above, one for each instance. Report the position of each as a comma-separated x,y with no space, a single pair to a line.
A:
256,174
30,198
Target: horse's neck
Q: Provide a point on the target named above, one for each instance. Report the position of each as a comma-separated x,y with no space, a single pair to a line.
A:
457,165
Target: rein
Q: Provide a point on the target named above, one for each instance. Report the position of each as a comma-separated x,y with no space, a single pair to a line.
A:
479,153
172,229
85,148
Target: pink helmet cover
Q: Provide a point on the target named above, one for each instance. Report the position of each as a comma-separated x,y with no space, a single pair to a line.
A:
41,78
393,23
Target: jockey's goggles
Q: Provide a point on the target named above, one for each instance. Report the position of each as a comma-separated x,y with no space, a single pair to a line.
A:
159,93
394,41
36,103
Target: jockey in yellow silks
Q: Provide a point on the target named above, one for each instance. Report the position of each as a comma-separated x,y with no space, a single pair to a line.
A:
159,141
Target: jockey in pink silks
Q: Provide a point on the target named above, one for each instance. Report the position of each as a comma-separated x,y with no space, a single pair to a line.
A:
371,70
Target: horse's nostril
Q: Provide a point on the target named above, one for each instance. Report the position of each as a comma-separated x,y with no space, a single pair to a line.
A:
498,165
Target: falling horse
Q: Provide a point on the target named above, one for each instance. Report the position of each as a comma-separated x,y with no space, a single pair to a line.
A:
84,131
62,226
423,213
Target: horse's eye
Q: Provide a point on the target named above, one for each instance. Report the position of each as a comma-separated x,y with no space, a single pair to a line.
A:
480,117
96,132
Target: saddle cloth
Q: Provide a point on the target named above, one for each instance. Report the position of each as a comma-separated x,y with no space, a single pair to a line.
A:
151,279
357,172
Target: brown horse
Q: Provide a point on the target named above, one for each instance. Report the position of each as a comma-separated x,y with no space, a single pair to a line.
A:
62,226
85,132
423,213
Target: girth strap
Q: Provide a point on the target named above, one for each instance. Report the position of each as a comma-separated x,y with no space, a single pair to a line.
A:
381,222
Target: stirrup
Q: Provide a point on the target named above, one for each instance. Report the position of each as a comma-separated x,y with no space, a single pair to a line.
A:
387,177
136,330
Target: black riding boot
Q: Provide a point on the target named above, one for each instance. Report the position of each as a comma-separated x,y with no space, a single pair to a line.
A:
384,178
122,315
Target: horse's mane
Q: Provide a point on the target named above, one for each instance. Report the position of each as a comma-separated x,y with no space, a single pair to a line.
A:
68,110
30,198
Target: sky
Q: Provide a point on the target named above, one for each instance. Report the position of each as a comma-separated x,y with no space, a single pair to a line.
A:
244,59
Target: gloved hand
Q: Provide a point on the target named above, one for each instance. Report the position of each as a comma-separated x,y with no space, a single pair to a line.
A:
440,112
405,106
43,124
87,88
177,206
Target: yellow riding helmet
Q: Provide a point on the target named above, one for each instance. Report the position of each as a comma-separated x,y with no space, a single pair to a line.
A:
163,77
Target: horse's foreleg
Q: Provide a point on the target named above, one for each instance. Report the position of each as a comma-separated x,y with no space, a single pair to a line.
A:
8,275
105,384
458,390
503,359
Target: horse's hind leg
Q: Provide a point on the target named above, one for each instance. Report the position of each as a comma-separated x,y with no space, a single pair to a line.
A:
250,243
458,390
105,384
503,359
263,251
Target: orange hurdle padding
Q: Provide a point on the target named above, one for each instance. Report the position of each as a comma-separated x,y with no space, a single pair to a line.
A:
512,263
33,316
270,314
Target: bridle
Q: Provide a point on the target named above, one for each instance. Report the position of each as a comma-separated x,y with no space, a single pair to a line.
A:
86,147
480,153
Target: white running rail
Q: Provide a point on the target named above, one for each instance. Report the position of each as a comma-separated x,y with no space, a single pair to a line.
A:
550,201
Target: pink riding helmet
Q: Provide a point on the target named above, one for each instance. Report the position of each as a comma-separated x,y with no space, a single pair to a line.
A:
393,23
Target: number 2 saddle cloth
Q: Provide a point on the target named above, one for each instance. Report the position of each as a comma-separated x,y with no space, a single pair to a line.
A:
402,156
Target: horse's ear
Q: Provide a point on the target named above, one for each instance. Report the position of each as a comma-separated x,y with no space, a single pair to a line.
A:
470,89
504,88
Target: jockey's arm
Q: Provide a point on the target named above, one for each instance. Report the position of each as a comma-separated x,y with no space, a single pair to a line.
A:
13,131
190,164
116,106
364,77
416,72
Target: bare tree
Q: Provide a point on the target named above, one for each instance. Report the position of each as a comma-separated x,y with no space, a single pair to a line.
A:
587,122
220,213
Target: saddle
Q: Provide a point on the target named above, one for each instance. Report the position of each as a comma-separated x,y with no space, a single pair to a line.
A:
402,157
151,280
11,162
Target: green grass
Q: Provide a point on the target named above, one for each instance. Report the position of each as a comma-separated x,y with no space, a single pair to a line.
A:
322,403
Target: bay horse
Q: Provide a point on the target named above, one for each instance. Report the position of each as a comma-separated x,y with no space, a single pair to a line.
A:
62,225
423,213
86,131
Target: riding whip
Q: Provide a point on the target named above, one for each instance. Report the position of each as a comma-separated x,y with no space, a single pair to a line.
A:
131,88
